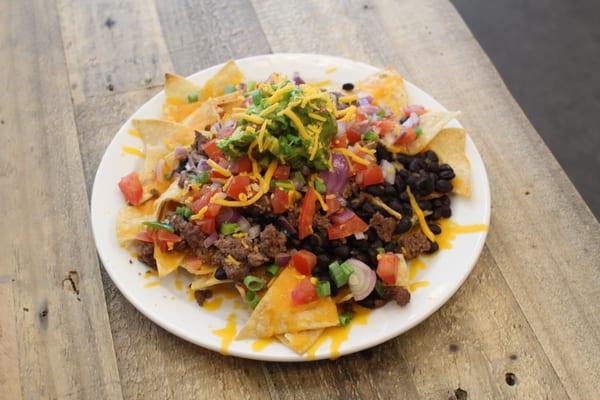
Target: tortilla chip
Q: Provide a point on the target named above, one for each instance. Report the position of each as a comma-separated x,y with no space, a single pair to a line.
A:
195,266
129,221
204,282
230,74
431,124
167,262
302,341
449,145
178,88
276,315
403,276
387,89
206,115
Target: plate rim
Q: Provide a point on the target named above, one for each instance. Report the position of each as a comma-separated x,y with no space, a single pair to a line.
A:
365,344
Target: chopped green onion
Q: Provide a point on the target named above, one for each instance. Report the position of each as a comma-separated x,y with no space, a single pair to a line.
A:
228,89
192,97
251,85
320,186
254,283
298,177
228,228
345,318
285,184
184,212
159,225
323,289
256,97
370,136
202,177
380,250
379,288
253,299
419,131
380,113
340,273
272,269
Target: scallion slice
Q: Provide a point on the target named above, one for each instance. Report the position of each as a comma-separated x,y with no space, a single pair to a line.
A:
228,228
340,273
253,299
159,225
345,318
323,289
192,97
272,269
254,283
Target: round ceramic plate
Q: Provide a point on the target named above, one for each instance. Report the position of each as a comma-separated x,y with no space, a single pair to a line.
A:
169,305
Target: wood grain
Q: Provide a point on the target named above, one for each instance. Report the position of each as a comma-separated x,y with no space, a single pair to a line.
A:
57,314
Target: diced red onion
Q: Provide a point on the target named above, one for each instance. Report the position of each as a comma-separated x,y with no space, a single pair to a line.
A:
227,214
362,280
368,109
254,231
296,78
412,121
343,215
363,101
361,127
360,236
203,165
341,128
282,259
209,241
243,224
414,108
181,153
285,224
335,179
389,172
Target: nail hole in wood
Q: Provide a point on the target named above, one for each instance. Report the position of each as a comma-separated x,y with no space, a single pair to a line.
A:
461,394
453,347
510,379
110,87
513,357
109,23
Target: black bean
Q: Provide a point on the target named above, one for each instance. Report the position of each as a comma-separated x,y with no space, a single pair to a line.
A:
445,200
400,186
348,86
391,247
403,225
437,214
435,229
425,186
359,244
404,197
430,155
383,153
376,243
404,160
376,190
446,174
404,174
443,186
389,190
368,208
363,257
446,211
372,235
431,165
445,167
315,240
323,260
406,210
436,203
341,252
295,242
425,205
372,253
415,165
220,274
395,204
434,247
356,202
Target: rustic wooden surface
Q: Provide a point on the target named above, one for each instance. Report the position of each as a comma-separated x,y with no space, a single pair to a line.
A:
71,73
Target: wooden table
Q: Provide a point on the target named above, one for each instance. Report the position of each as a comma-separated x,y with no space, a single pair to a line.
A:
525,325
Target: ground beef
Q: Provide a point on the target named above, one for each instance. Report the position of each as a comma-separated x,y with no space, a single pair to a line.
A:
146,253
384,226
272,241
350,188
321,222
236,272
202,295
397,293
293,215
414,244
233,246
176,221
193,236
257,258
262,207
211,256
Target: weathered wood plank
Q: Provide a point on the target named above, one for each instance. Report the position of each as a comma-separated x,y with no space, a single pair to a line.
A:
200,33
63,342
112,46
10,381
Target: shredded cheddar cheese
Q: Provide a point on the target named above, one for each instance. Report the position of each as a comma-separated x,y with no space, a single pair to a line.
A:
199,214
348,99
279,93
317,117
252,118
218,168
297,123
420,216
232,260
353,156
379,203
269,109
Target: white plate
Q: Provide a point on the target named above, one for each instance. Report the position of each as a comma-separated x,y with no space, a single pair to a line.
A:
171,309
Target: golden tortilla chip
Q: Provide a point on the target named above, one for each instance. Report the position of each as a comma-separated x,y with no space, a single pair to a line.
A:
173,194
276,315
302,341
230,74
449,145
129,221
178,88
204,282
167,262
206,115
387,89
403,276
431,124
195,266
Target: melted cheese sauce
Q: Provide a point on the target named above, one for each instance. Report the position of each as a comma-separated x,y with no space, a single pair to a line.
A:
148,274
178,284
152,284
227,333
260,344
190,294
135,133
212,304
339,334
450,229
133,151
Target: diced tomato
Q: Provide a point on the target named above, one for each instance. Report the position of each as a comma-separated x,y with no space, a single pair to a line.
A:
307,213
212,151
340,141
281,172
238,185
145,236
166,236
360,117
304,261
217,177
304,292
207,225
279,201
350,227
333,204
132,189
407,137
352,135
212,210
373,175
203,199
241,165
385,126
387,268
417,109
